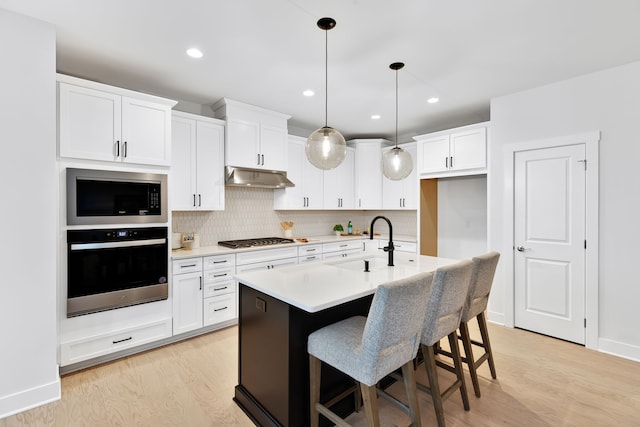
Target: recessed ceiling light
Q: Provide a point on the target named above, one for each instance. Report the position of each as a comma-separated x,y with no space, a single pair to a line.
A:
433,100
375,117
194,53
308,92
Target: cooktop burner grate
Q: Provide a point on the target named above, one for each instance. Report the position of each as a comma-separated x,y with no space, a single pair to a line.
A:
250,243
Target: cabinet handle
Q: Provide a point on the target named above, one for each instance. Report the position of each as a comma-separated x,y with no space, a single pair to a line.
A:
262,159
220,262
194,200
118,148
199,199
200,282
125,149
122,340
220,289
311,257
451,161
187,265
310,250
359,203
220,309
220,275
258,162
446,162
343,246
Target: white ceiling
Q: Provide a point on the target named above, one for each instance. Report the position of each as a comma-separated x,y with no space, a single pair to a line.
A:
267,52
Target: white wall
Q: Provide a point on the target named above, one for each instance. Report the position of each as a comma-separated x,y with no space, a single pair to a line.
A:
609,102
462,216
28,370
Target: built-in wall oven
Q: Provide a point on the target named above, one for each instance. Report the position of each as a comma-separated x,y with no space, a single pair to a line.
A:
115,267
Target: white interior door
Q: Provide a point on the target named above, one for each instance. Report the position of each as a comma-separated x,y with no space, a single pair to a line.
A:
549,233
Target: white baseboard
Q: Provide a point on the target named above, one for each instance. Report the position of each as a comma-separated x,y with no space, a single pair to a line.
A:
626,351
31,398
494,317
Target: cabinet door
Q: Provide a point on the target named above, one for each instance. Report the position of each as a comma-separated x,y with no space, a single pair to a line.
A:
339,184
411,183
292,197
183,158
312,182
368,176
146,130
242,143
469,149
434,155
89,123
273,146
210,166
187,302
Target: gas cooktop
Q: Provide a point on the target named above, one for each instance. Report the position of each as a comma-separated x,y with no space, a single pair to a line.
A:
250,243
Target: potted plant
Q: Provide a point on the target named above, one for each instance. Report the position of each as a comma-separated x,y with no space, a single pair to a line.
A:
338,229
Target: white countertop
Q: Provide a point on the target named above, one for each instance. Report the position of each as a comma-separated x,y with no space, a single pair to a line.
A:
220,250
319,285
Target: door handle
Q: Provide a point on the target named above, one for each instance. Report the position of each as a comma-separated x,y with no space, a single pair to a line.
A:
522,249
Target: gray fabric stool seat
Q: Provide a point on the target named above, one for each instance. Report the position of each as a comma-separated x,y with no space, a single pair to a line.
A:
368,349
484,269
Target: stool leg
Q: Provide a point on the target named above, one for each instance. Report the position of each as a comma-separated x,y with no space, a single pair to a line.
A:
484,332
468,352
455,350
409,376
314,389
434,386
370,399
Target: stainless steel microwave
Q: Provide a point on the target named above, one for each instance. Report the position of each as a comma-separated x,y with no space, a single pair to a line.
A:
97,197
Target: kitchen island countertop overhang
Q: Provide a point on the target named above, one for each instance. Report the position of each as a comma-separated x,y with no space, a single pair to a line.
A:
317,286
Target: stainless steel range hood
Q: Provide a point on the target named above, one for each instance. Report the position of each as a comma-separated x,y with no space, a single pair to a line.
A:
260,178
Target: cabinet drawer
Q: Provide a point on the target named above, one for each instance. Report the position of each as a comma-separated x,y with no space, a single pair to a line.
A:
216,262
220,288
219,309
400,245
266,255
342,246
342,254
310,250
188,265
100,345
215,276
309,258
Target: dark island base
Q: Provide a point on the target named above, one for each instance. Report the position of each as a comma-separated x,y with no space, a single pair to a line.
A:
273,387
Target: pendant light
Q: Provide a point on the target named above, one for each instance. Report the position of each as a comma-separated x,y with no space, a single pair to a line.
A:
396,163
326,147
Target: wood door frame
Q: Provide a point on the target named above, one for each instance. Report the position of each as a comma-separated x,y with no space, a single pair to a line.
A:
591,141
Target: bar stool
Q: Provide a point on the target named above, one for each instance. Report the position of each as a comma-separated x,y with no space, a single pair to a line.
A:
448,295
368,349
484,269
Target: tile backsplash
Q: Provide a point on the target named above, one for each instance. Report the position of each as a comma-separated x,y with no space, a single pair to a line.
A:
249,213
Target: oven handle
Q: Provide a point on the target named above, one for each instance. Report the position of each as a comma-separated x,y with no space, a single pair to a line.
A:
124,244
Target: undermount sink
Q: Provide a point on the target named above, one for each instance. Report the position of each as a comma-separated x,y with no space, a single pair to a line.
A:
358,264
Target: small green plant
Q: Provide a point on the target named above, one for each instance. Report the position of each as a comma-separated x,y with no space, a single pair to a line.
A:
338,227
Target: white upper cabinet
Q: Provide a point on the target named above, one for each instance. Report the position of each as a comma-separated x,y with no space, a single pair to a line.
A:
197,170
402,194
368,172
100,122
255,137
460,151
308,180
339,184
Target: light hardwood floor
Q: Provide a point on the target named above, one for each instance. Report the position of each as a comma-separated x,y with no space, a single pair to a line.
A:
541,382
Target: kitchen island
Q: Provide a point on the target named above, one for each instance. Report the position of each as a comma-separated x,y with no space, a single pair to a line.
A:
280,308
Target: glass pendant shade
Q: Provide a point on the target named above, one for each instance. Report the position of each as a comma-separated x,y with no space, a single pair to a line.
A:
396,164
326,148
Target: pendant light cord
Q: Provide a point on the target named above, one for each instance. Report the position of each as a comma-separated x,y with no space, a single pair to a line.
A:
326,78
396,108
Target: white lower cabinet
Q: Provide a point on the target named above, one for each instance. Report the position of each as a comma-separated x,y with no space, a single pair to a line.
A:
121,339
187,295
342,249
204,292
266,259
220,296
309,253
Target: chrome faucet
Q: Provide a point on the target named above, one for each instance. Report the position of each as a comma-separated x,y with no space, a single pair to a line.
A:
388,248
